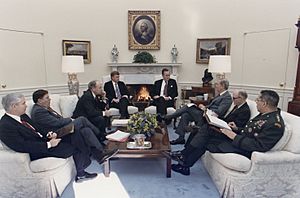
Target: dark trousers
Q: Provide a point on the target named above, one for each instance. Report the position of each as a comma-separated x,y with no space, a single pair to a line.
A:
208,139
162,105
188,114
72,144
122,105
100,123
88,132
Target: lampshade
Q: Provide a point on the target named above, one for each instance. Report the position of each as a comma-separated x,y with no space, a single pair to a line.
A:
72,64
219,64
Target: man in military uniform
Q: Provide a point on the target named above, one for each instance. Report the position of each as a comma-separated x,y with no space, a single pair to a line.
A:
260,134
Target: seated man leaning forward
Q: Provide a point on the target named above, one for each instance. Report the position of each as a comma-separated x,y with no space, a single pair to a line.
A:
260,134
164,92
18,132
46,119
117,94
219,106
89,106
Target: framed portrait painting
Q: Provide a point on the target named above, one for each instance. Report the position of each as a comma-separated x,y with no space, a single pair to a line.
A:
83,48
144,30
212,46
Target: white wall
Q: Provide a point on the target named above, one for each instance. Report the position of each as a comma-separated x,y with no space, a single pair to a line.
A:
104,23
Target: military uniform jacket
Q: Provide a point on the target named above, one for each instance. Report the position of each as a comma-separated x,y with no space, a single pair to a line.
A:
261,133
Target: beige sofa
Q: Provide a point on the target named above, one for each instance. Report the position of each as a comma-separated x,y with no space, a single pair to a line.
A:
47,177
275,173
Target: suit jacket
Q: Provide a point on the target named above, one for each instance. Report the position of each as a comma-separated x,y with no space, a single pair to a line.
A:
25,140
88,106
47,121
171,90
221,104
240,116
110,91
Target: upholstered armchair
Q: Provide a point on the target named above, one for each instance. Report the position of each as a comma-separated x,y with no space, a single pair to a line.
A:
114,112
170,110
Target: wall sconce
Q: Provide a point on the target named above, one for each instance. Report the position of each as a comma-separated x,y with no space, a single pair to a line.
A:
219,64
72,65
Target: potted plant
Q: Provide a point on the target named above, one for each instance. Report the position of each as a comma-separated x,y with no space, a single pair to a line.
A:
143,57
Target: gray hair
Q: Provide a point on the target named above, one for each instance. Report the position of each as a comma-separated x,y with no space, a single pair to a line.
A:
92,84
224,83
243,94
10,99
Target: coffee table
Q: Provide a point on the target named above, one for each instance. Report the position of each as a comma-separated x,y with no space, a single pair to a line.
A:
160,143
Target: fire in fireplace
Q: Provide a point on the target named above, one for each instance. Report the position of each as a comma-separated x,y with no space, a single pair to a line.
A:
140,92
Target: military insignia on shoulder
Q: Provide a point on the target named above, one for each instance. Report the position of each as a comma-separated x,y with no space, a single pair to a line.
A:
278,125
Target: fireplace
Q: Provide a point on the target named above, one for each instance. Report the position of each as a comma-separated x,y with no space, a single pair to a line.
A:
140,95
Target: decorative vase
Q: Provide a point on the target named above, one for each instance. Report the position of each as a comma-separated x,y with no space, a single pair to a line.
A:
139,139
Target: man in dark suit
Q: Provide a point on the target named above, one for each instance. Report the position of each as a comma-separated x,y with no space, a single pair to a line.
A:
117,94
90,106
218,106
18,132
46,119
236,118
259,134
164,92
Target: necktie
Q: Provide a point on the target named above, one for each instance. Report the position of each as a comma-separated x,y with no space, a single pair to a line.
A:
118,93
166,89
233,110
26,124
54,112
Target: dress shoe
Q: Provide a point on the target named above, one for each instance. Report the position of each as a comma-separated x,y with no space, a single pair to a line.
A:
177,141
180,169
106,155
85,176
174,156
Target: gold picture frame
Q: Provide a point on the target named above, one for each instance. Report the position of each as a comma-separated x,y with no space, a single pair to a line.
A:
144,29
211,46
74,47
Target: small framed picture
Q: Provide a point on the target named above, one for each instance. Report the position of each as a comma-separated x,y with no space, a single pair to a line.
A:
83,48
213,46
144,30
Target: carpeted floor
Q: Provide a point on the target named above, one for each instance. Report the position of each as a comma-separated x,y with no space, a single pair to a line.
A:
144,178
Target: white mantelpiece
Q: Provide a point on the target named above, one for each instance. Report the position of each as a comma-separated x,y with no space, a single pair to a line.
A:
141,73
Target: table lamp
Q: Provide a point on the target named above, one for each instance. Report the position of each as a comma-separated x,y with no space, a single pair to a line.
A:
72,65
219,64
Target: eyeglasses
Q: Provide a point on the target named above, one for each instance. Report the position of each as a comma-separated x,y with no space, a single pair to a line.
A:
234,98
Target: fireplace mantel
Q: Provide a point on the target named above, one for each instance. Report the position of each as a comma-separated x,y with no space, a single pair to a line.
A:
141,73
142,68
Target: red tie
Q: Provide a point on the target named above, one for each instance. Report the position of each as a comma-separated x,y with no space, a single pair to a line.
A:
28,125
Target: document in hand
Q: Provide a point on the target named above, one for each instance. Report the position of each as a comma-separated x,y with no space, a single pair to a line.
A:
69,128
213,120
119,122
118,136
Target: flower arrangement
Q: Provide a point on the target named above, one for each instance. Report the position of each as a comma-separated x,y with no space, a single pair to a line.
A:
142,123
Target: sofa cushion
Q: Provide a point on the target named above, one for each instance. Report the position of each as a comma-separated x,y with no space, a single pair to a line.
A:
294,142
29,104
2,112
55,99
48,163
233,161
284,139
67,105
3,146
132,110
